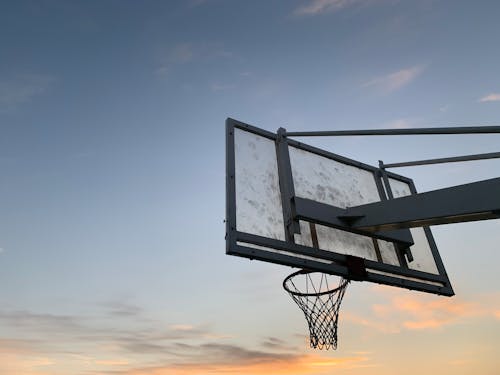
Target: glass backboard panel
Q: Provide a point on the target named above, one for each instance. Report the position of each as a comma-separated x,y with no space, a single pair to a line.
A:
388,252
423,259
258,199
329,181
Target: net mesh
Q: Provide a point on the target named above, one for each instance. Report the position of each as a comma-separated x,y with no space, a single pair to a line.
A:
320,304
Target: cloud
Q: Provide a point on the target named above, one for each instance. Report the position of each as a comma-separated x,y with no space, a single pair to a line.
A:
18,346
276,344
403,310
221,87
23,357
187,53
22,365
30,339
22,89
45,342
122,309
494,97
142,336
40,321
112,362
182,53
425,313
182,327
316,7
400,124
179,54
234,359
394,81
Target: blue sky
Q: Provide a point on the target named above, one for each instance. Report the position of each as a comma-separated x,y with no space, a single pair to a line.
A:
112,197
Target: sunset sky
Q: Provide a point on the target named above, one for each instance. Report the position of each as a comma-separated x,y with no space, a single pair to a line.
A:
112,188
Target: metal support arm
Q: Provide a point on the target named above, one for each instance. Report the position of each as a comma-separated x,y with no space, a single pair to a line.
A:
414,131
457,204
388,219
324,214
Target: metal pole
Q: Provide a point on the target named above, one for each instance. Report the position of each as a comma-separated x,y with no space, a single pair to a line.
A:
491,155
414,131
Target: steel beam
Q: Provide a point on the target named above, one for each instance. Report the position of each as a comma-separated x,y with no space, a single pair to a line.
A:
286,186
453,159
457,204
331,216
414,131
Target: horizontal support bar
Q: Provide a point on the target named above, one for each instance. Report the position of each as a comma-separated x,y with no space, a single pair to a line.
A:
414,131
331,216
334,269
280,246
457,204
454,159
287,259
444,290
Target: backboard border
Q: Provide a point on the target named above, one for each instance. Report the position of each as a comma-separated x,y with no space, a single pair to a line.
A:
234,238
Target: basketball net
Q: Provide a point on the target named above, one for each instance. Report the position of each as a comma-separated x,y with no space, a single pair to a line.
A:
320,304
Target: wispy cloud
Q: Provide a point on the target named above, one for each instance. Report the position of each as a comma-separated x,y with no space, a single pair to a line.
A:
41,322
101,340
22,356
221,87
22,89
112,362
178,55
22,365
182,53
401,123
187,53
122,309
396,80
150,347
18,346
276,343
423,312
494,97
316,7
234,359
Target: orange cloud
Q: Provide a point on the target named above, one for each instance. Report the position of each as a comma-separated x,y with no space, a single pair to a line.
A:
425,313
112,362
494,97
415,311
299,365
213,359
11,363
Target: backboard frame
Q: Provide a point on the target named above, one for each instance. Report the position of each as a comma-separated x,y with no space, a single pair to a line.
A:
266,249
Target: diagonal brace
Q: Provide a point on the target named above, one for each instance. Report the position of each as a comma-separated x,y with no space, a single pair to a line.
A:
325,214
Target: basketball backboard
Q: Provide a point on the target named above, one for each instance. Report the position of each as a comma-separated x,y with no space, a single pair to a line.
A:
268,176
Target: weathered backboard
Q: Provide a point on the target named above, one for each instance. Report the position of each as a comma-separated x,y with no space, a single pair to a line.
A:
261,165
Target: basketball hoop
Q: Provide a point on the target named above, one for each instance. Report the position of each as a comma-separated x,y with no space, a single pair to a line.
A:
320,304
